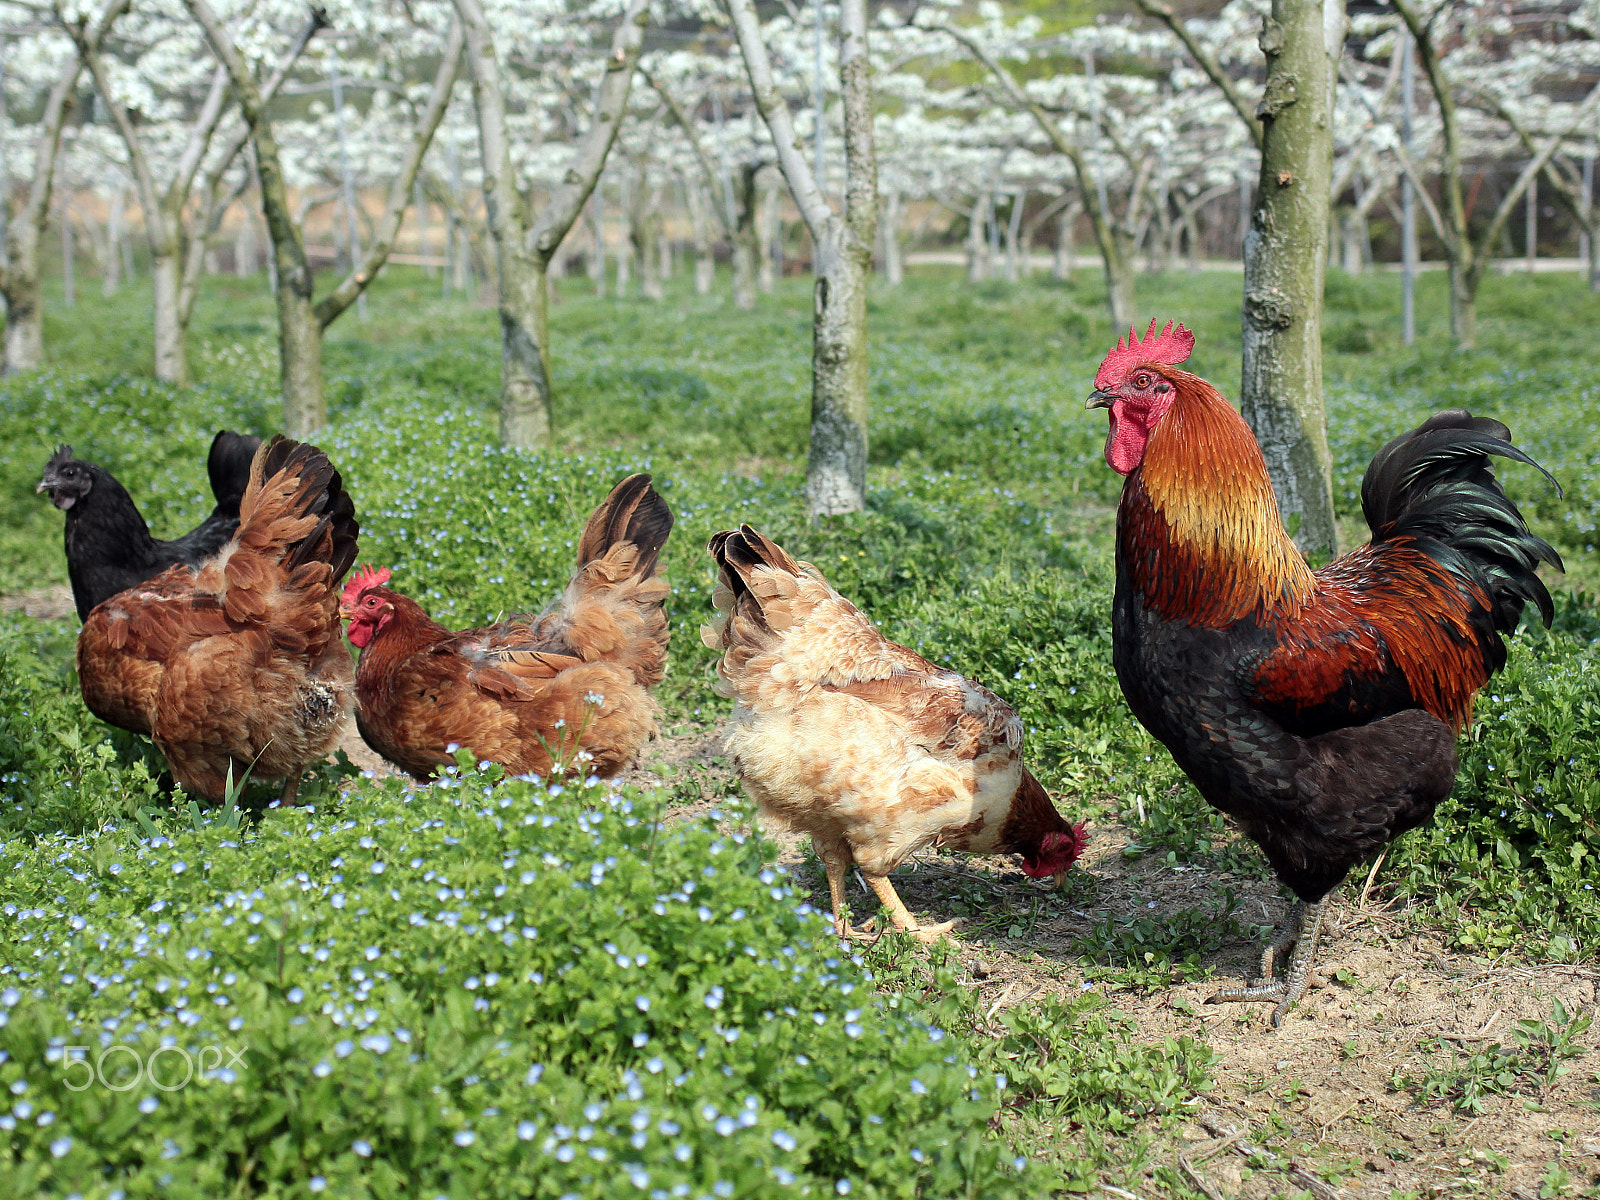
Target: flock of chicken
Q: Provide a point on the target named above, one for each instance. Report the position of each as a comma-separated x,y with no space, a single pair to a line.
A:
1318,708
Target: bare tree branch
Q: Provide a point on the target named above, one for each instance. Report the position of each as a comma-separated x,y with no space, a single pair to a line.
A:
1207,62
353,284
572,193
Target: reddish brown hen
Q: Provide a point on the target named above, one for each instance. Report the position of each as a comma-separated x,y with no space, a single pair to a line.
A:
238,666
533,692
871,749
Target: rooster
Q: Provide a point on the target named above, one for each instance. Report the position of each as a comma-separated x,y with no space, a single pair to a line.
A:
531,693
109,547
238,667
872,750
1319,709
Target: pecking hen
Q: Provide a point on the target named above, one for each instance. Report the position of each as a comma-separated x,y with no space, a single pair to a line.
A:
109,547
869,748
238,666
531,693
1319,709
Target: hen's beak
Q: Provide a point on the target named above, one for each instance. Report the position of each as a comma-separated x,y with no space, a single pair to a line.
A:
45,485
1061,878
1099,399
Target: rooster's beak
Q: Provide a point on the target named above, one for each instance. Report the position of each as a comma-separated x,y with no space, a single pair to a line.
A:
1099,399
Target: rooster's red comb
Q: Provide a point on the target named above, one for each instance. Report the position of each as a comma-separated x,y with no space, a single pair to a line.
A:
1169,349
366,577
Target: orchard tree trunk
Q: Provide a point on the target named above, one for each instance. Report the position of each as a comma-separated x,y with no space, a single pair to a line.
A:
1285,263
977,244
301,323
745,249
705,266
739,226
1468,259
1115,248
525,242
647,237
25,227
165,209
172,360
112,279
767,225
836,467
1066,228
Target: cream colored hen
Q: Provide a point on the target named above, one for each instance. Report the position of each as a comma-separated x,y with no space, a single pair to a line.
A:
871,749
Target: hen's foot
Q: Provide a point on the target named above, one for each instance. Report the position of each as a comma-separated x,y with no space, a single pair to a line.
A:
1300,929
927,934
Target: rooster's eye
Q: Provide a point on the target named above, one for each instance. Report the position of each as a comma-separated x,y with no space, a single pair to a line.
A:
1141,381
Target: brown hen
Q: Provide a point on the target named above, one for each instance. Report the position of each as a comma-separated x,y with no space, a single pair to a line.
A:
532,693
238,667
871,749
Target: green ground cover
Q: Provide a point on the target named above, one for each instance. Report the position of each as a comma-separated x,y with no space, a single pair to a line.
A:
985,546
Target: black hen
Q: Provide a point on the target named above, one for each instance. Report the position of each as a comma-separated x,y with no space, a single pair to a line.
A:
109,546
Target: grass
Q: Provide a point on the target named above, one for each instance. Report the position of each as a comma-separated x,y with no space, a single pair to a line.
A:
985,545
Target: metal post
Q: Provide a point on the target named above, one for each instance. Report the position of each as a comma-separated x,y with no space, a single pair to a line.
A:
817,97
352,239
419,201
457,277
1588,199
1408,204
5,176
1531,229
69,290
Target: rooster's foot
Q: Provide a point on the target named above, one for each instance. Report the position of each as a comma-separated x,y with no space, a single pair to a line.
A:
1300,929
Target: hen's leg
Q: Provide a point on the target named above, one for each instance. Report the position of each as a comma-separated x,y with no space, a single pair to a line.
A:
900,915
291,787
836,860
1300,929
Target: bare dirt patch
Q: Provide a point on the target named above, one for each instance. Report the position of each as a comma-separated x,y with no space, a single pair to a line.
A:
46,603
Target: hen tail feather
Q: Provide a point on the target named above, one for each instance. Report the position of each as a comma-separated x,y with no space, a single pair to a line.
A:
634,512
612,610
1435,484
295,509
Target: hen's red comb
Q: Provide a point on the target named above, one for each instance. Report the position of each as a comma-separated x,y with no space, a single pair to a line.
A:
366,577
1171,348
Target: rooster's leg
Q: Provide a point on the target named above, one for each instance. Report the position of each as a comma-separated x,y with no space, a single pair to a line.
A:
1305,951
291,786
1287,934
900,915
1300,929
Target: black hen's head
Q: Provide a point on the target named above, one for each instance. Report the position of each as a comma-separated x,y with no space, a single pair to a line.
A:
66,479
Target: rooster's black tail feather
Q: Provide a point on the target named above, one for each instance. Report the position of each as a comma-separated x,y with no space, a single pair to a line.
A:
1436,483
